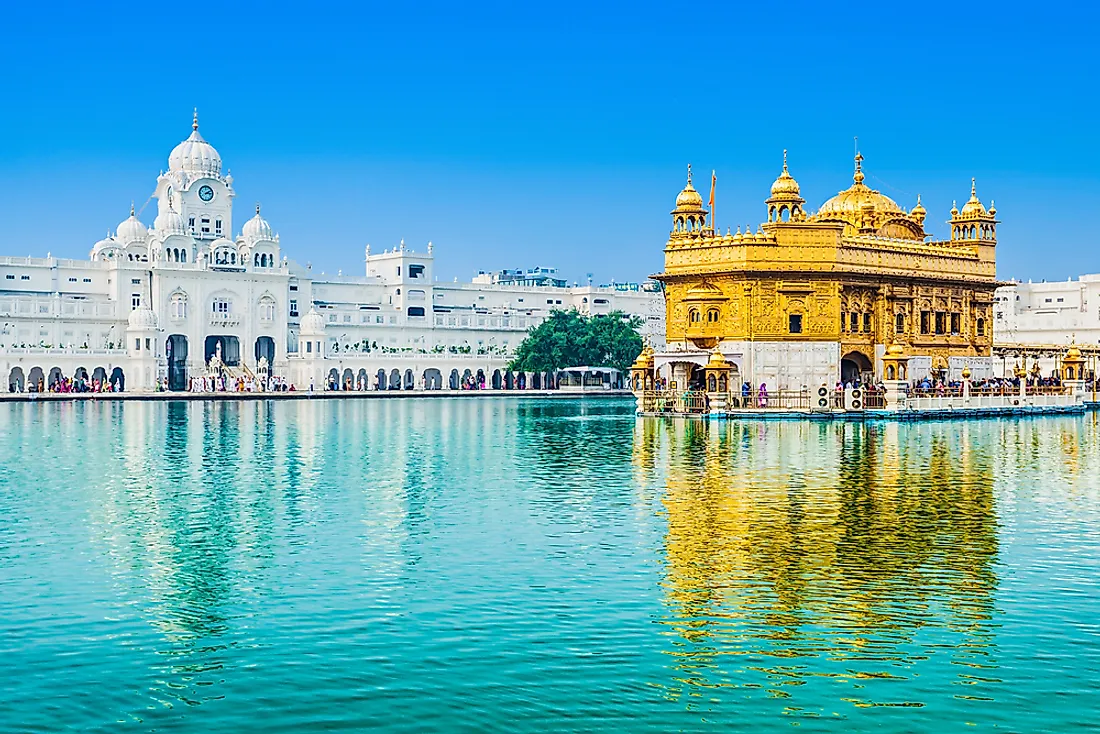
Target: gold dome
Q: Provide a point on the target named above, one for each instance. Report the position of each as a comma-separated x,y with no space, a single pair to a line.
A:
895,350
919,209
785,185
859,197
689,199
1072,354
974,205
717,360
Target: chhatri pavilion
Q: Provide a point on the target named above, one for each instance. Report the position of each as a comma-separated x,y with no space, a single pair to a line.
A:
813,297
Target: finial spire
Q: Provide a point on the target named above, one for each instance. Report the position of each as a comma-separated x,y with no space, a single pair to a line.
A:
195,121
784,160
689,174
257,208
858,177
973,186
131,207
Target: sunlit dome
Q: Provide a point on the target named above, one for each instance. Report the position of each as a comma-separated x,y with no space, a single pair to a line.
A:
131,230
142,318
313,322
257,228
195,155
859,197
169,222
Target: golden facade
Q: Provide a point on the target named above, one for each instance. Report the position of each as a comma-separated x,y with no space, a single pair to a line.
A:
861,273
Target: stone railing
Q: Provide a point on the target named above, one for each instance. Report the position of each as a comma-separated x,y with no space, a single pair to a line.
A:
62,351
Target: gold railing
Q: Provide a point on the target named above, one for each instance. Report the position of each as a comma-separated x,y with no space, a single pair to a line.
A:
693,401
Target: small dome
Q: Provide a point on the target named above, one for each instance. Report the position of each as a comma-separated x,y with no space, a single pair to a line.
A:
785,185
257,228
142,318
973,206
644,360
313,322
919,209
195,155
222,242
131,230
717,360
1072,354
895,350
169,222
106,244
689,199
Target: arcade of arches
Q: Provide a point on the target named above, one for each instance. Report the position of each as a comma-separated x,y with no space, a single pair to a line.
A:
435,378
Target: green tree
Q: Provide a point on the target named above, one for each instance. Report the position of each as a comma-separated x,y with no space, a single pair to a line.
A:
570,339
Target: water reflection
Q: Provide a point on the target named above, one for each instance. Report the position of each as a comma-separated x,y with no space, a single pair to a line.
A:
840,550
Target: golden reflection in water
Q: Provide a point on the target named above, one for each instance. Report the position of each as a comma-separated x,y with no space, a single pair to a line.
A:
845,550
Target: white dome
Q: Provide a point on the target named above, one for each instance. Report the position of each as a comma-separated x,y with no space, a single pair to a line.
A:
257,228
195,155
222,242
169,222
107,243
131,230
104,243
142,318
313,323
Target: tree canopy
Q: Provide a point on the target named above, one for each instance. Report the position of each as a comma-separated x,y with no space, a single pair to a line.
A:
571,339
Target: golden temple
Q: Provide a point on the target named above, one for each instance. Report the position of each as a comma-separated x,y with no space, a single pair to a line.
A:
813,298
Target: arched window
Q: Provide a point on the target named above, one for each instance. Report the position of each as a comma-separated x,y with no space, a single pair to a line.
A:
693,316
981,327
267,308
899,323
712,316
183,256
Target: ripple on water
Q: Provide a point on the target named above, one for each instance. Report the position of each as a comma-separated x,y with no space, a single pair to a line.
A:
496,565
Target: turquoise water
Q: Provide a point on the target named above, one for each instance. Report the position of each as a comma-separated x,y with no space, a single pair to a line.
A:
490,565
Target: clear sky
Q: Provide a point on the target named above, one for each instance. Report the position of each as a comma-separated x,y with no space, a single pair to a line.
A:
518,134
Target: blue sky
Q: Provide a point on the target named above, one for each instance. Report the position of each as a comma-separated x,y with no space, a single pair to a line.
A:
515,135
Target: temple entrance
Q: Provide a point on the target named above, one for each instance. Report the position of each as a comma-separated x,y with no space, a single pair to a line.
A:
687,375
265,347
855,367
228,348
175,349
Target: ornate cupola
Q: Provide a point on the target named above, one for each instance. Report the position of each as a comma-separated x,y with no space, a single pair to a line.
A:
689,218
786,202
918,213
974,222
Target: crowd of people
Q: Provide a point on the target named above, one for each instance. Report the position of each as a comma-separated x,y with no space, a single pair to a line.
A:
68,385
224,383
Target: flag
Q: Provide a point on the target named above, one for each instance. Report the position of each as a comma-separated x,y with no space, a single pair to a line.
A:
713,181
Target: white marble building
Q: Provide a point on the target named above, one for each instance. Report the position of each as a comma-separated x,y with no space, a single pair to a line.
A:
155,303
1047,313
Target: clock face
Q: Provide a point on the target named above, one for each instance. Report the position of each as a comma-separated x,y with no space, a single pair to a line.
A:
206,193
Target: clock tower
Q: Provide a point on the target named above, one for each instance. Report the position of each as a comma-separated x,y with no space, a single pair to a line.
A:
194,188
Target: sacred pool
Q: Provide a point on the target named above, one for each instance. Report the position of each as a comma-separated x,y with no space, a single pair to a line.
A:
504,564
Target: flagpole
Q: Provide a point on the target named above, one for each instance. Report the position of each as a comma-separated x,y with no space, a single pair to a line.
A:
713,181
